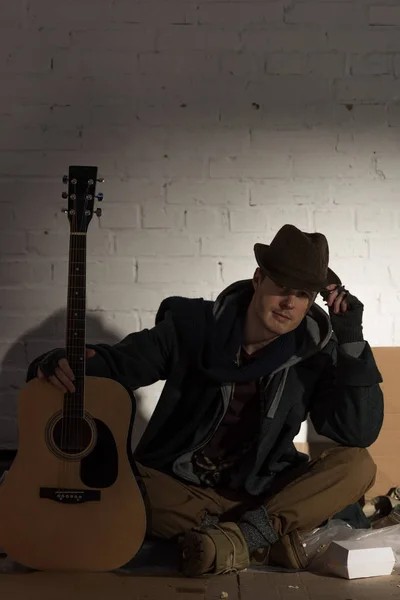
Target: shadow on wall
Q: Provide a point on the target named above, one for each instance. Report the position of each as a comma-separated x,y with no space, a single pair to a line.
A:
49,334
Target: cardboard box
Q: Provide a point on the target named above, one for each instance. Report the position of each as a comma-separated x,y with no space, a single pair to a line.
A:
350,560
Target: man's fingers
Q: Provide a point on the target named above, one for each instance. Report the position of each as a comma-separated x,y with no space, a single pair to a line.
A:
90,352
64,366
57,383
339,301
66,381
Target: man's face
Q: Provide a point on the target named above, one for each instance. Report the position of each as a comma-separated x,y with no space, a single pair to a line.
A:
279,309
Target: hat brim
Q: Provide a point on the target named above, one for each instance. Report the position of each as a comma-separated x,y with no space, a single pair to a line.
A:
288,279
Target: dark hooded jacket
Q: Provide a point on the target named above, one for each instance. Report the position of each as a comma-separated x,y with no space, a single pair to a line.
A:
193,347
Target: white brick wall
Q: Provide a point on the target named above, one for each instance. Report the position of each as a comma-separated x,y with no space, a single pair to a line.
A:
214,123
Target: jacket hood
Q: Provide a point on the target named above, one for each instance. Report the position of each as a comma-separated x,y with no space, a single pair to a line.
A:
316,328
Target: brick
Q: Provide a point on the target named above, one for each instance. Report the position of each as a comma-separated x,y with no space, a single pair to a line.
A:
112,271
292,142
169,167
372,142
363,41
297,216
299,191
286,91
12,11
243,64
397,65
298,39
155,243
325,64
137,142
237,14
120,216
154,14
206,220
384,15
251,167
365,89
384,247
126,37
197,37
162,217
374,220
41,216
7,216
334,220
250,219
389,298
180,271
120,323
39,137
371,64
99,243
23,272
147,319
138,191
178,63
346,246
26,60
94,62
13,243
180,113
325,13
12,354
13,325
12,378
43,12
206,141
47,298
130,297
332,165
232,244
387,166
380,331
236,270
376,192
356,271
226,192
42,164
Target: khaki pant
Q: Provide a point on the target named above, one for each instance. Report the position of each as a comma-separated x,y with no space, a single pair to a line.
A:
301,500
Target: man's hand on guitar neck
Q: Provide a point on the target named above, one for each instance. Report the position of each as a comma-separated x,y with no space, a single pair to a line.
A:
55,368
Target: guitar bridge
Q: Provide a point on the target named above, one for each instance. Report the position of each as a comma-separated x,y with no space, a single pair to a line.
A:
66,496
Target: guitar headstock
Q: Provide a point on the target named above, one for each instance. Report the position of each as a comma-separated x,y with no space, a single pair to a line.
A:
81,182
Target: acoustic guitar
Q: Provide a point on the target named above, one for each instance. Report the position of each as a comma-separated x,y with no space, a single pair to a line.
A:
70,501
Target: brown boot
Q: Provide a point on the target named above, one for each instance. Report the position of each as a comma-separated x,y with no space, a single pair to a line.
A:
288,552
217,549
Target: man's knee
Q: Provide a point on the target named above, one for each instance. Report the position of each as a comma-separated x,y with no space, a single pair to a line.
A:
358,465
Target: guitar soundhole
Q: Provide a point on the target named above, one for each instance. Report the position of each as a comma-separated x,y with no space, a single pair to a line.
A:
72,436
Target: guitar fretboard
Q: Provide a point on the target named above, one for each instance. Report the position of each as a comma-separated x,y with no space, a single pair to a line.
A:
76,322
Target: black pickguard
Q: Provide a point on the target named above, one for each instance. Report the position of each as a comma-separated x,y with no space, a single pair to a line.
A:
100,468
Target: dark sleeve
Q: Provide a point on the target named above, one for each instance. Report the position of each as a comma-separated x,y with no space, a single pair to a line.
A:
347,404
140,359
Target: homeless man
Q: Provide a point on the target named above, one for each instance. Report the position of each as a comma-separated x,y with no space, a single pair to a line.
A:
221,472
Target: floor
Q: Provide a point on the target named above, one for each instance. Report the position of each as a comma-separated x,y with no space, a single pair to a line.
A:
245,586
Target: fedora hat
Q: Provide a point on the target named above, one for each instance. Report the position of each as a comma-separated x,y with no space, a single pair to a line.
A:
297,260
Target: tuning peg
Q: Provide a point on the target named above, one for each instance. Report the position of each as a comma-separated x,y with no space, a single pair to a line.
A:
64,210
99,197
98,212
65,179
100,180
64,195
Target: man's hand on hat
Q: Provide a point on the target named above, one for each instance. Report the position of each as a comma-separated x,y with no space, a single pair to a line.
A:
346,312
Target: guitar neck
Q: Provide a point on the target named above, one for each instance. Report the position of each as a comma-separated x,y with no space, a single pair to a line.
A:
76,312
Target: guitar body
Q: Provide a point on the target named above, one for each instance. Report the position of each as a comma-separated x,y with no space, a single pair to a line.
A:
83,512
